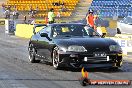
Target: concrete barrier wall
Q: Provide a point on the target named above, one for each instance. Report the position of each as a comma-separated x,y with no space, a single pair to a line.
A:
25,30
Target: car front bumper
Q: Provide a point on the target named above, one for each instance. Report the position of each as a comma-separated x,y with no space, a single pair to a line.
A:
79,60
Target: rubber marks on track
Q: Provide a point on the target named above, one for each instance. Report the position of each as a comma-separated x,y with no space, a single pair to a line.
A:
8,82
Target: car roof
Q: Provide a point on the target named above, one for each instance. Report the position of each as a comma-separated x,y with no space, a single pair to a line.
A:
54,24
40,25
65,24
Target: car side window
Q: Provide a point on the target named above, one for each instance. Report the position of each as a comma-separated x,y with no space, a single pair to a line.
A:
43,30
46,30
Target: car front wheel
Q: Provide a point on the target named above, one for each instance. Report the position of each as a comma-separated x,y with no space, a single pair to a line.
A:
32,54
55,60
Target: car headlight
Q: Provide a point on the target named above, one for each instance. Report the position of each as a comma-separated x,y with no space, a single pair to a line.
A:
115,48
76,48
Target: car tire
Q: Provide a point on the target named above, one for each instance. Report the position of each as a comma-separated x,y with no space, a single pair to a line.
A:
55,58
32,54
118,31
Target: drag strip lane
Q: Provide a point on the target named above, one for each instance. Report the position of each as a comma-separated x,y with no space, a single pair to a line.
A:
14,64
61,77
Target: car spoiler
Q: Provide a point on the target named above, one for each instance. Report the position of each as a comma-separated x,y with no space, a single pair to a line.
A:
38,25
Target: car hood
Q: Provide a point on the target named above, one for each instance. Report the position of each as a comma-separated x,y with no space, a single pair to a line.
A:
89,43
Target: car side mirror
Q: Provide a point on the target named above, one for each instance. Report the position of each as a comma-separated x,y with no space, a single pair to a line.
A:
44,35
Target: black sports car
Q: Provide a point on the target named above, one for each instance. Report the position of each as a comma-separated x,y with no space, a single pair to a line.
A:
73,45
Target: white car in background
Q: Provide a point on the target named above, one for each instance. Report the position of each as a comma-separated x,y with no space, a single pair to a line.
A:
125,26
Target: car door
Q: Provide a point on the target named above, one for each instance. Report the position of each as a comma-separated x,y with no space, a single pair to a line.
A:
36,36
44,44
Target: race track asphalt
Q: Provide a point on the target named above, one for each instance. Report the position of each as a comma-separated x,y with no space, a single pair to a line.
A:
17,72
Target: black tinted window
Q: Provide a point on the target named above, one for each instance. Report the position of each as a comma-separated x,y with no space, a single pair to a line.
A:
73,30
46,30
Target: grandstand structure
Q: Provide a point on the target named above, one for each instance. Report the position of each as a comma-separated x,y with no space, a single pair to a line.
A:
77,9
43,6
110,8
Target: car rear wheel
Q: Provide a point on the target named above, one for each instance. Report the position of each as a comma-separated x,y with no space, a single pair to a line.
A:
32,54
55,60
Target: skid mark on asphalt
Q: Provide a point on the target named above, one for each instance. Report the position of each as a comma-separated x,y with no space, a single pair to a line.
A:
7,81
13,40
28,76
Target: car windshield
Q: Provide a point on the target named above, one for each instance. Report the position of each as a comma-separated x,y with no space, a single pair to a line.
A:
68,30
